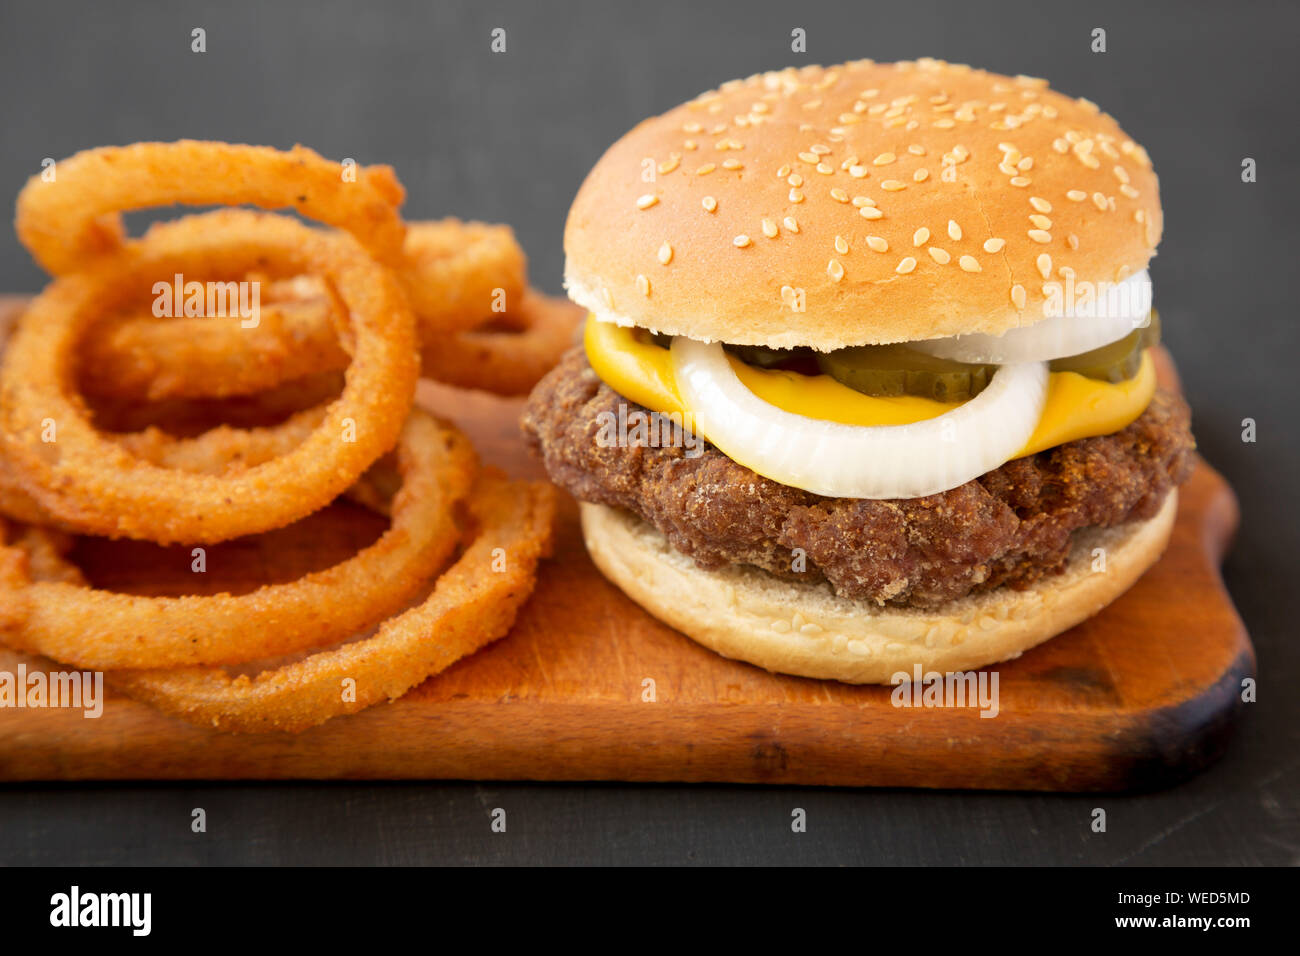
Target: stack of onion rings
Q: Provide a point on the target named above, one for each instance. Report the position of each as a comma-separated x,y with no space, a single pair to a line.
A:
350,313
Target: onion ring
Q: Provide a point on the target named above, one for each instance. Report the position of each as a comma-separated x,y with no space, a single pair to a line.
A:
147,358
507,361
470,606
90,628
451,272
858,461
72,220
90,482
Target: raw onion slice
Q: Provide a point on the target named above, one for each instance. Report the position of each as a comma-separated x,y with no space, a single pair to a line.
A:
1114,313
854,461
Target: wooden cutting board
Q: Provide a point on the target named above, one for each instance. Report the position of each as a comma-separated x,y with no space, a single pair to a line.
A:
1140,696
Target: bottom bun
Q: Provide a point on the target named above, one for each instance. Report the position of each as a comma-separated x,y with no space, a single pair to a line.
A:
805,629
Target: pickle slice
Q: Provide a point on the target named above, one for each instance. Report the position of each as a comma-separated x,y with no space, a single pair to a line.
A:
1117,362
888,371
760,356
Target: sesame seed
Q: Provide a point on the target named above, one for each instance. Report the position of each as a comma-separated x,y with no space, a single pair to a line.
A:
783,171
666,253
1020,181
1026,164
1042,205
791,224
731,164
705,169
994,245
939,255
1120,173
841,245
741,241
1089,160
1139,215
1099,200
954,230
810,158
825,169
921,236
839,195
877,244
1076,195
691,144
643,285
921,175
692,128
863,201
709,203
670,164
1018,296
646,201
969,264
1040,235
1128,191
1044,263
835,270
905,266
916,149
893,185
769,229
1042,222
1072,241
871,212
944,123
796,196
795,180
884,159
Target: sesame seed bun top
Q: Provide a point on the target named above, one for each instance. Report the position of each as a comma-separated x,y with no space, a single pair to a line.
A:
900,201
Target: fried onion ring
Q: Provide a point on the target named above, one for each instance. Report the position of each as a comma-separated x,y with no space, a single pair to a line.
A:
88,481
142,357
89,628
471,605
73,219
451,271
509,360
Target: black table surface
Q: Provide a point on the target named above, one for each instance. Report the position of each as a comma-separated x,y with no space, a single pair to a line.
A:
508,137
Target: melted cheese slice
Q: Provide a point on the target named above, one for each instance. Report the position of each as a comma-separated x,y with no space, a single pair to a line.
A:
1076,407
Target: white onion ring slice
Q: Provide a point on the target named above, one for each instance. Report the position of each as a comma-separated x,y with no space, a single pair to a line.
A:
1117,310
855,461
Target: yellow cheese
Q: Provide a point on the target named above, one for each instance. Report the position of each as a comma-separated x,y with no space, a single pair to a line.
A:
1076,407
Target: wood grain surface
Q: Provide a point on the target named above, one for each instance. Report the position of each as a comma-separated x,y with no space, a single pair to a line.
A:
1141,695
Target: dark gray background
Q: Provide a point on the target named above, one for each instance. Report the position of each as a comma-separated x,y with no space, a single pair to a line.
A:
509,137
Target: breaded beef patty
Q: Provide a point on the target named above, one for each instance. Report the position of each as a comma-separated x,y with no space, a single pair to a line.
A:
1008,527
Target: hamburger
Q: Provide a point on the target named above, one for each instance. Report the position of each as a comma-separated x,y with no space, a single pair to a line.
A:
866,381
